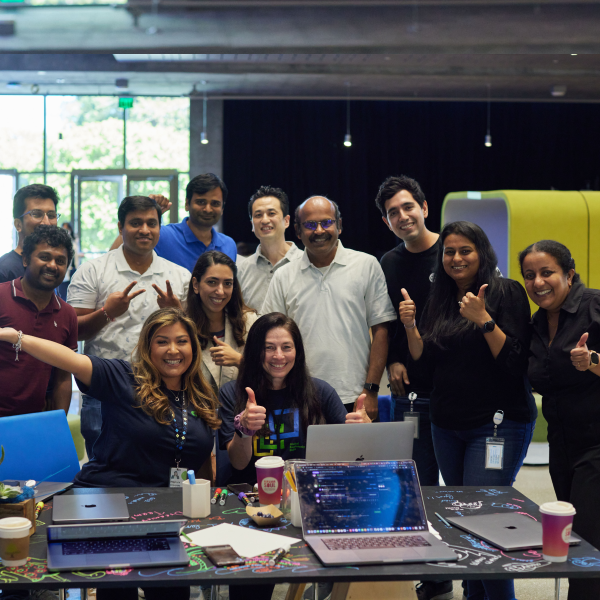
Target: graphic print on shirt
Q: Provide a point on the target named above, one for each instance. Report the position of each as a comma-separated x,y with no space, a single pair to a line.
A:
289,433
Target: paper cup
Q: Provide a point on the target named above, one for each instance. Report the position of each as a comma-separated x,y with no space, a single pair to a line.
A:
14,541
557,522
269,473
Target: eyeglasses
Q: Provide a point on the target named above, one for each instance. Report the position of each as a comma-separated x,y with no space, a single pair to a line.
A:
312,225
38,214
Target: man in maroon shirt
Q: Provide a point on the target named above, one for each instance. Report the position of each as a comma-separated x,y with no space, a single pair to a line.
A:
30,305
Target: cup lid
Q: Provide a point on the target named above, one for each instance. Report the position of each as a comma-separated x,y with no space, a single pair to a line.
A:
269,462
558,508
14,523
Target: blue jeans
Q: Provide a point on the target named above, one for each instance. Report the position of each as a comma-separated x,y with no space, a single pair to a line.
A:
91,422
461,456
423,452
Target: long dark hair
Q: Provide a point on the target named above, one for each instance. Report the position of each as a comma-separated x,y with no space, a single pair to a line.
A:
441,317
558,251
299,385
235,308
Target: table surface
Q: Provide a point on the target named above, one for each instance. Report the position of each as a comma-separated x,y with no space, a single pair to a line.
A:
477,559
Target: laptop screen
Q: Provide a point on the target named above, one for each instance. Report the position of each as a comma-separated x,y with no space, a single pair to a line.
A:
360,497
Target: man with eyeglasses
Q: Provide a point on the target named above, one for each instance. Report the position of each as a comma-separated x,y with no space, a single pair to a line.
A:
33,205
335,295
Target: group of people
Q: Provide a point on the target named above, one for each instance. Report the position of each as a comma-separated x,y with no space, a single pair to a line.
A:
176,349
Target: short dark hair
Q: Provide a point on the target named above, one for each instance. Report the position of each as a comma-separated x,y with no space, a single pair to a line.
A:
35,190
338,214
133,203
265,191
558,251
54,236
202,184
392,185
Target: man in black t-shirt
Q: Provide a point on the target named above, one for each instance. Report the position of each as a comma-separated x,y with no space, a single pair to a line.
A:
410,265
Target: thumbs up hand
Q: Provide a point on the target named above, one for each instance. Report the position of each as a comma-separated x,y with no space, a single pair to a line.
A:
580,355
255,416
472,307
360,414
407,310
224,355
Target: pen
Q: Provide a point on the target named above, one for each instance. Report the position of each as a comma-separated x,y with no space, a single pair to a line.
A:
290,479
443,520
223,498
213,500
278,556
187,537
191,477
244,498
38,509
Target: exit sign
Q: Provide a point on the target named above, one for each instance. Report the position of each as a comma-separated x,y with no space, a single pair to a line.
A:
125,102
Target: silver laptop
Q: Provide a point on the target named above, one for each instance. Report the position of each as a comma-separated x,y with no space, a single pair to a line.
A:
360,441
366,513
89,508
507,531
116,545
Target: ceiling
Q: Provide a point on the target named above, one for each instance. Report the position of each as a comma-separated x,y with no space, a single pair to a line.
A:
371,49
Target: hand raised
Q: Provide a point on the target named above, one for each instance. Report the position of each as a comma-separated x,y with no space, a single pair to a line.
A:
117,303
255,416
224,355
472,307
580,355
407,309
162,201
168,298
360,414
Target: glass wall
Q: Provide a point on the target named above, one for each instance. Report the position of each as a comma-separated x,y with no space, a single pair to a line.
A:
91,132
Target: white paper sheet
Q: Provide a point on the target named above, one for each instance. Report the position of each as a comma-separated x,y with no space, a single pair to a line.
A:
245,541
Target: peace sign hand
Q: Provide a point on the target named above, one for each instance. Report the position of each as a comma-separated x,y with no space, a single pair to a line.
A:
165,300
117,303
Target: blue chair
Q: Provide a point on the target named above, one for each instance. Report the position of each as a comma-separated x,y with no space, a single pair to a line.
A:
38,446
385,408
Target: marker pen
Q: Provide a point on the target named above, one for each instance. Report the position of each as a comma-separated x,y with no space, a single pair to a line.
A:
191,477
278,556
223,498
244,498
213,500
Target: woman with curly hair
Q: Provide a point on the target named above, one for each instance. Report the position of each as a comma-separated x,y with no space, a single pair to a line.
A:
216,306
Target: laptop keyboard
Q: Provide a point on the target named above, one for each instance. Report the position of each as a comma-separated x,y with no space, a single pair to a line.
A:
375,542
106,546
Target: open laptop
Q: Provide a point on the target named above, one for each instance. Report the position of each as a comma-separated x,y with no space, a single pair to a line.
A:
365,441
89,508
366,513
116,545
507,531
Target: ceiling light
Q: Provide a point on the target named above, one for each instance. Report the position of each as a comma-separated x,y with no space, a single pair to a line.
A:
41,72
60,81
488,135
347,140
203,136
558,91
347,137
573,54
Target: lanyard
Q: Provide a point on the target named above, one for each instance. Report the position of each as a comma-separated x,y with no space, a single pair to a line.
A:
180,429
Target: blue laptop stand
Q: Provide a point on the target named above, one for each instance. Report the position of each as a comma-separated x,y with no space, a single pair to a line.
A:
38,446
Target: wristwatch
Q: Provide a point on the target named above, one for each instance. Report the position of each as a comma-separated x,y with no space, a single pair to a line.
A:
488,326
594,359
371,387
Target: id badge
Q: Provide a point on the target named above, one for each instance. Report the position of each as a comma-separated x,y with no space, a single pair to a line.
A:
178,476
415,418
494,453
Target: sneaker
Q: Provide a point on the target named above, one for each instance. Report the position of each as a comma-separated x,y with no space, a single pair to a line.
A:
434,590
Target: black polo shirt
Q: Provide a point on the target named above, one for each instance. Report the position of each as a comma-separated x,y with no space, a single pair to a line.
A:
11,266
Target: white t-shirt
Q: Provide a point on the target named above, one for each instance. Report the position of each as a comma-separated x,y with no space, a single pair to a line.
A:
96,279
334,312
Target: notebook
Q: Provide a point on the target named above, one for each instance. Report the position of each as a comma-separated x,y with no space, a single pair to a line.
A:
116,545
507,531
365,441
89,508
366,513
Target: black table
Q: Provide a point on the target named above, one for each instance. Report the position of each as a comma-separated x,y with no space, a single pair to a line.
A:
477,559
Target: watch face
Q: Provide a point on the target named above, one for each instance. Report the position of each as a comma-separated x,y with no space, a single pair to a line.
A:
594,358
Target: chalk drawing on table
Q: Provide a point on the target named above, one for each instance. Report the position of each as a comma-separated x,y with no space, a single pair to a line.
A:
457,505
528,556
34,570
477,543
153,515
120,572
525,567
142,497
465,553
527,515
491,492
586,561
506,505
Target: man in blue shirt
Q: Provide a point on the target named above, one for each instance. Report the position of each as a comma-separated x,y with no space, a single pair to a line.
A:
182,243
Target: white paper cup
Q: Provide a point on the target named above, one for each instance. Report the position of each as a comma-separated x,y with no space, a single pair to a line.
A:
14,541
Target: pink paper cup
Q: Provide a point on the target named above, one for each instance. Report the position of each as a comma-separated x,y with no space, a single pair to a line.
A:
557,522
269,474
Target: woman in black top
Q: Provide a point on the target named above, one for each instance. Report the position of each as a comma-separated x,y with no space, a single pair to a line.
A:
158,413
476,335
564,369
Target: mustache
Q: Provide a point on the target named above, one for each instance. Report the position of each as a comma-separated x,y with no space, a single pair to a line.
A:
321,236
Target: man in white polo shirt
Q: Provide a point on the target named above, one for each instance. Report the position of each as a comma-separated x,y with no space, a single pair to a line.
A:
335,295
269,210
114,294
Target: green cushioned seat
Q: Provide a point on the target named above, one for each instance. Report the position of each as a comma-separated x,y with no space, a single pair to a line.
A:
75,427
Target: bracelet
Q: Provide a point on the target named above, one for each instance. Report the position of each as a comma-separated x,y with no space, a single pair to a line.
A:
237,423
414,324
17,346
106,315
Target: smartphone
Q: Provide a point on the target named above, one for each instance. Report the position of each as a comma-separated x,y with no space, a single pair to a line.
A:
237,488
221,556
